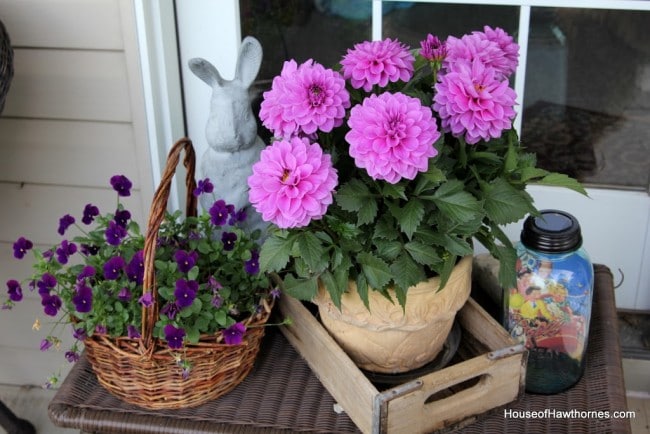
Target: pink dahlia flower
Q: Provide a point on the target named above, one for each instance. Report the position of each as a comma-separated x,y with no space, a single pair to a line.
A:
495,48
377,62
475,101
303,99
392,136
292,183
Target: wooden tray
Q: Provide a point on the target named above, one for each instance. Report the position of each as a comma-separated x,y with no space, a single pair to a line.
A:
488,372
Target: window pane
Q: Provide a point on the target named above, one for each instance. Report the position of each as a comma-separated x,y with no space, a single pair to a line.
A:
304,29
410,22
587,94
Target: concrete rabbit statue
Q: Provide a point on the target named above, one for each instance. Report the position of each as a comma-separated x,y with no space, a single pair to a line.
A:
231,129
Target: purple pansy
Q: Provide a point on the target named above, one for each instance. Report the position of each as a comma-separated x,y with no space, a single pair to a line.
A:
83,299
64,223
217,301
122,185
114,233
87,271
14,290
135,269
203,186
72,356
124,294
21,246
65,250
228,239
170,310
79,334
46,344
132,332
101,329
174,336
89,250
46,283
51,304
237,217
252,266
90,212
185,260
234,334
185,292
146,300
122,217
113,268
219,212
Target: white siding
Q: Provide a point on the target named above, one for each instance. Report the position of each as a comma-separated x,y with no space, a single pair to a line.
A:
73,118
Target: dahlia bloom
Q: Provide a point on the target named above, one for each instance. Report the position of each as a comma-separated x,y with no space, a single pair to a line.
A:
475,101
292,183
432,48
392,136
494,48
304,99
377,62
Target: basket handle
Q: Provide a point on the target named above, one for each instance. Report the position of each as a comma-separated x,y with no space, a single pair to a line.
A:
156,216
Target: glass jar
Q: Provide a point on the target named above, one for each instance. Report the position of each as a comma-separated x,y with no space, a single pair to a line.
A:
550,308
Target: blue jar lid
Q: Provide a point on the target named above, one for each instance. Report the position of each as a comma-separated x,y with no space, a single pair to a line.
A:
552,231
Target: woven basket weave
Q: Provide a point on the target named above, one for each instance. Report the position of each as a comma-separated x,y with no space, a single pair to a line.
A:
144,371
6,65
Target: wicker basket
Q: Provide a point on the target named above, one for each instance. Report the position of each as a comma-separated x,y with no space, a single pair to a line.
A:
144,371
6,65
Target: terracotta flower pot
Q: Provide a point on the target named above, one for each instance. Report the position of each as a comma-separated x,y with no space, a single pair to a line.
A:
388,339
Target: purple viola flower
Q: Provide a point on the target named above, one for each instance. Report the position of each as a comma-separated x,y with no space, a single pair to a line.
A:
170,310
237,217
185,260
132,332
122,217
51,304
203,186
113,268
234,334
64,223
65,250
219,212
217,301
14,290
79,334
228,239
275,293
174,336
124,294
90,212
135,269
101,329
21,246
146,300
89,250
122,185
87,271
185,292
46,344
214,284
72,356
83,299
252,266
46,283
114,233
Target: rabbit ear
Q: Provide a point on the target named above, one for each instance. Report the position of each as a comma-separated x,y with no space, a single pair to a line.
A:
249,60
205,71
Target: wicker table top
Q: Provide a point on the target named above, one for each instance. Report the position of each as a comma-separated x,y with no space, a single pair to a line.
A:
282,395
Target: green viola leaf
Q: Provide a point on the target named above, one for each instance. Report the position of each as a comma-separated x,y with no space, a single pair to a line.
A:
504,203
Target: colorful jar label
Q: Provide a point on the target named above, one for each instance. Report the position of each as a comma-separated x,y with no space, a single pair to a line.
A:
551,305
